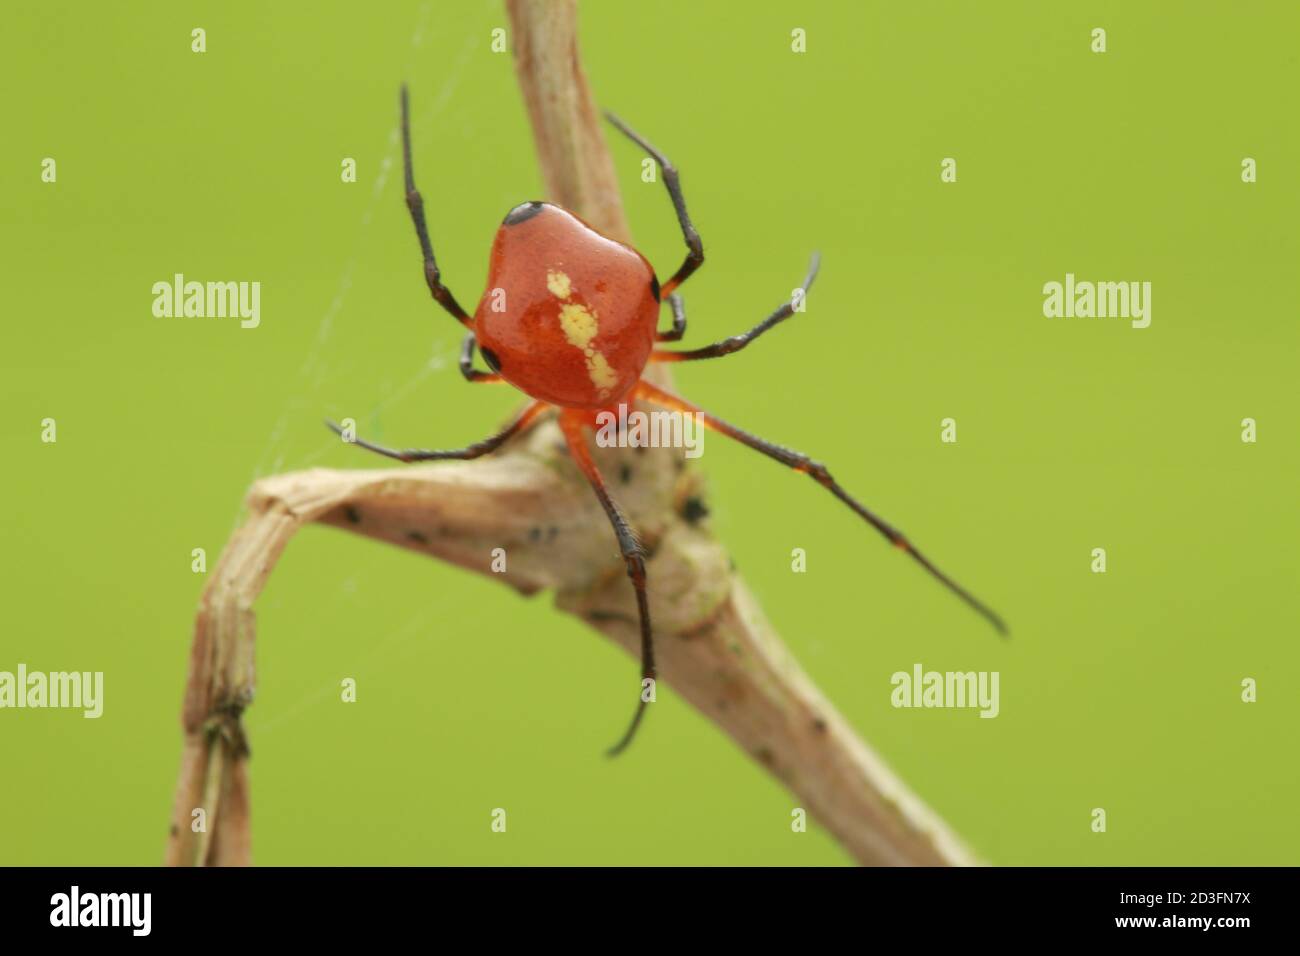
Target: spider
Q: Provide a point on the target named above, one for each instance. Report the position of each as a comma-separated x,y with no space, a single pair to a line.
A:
578,326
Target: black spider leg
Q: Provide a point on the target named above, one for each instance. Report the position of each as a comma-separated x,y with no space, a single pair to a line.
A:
694,247
679,321
819,473
738,342
476,450
441,294
467,363
633,557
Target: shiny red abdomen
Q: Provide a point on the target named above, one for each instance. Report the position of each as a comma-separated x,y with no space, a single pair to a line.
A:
568,315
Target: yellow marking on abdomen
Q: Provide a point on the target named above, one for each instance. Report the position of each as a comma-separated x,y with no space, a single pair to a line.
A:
558,283
602,376
580,327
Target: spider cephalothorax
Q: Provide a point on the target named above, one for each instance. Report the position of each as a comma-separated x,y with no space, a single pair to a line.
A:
570,318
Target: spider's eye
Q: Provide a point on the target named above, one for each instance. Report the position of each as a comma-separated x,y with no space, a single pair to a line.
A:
490,357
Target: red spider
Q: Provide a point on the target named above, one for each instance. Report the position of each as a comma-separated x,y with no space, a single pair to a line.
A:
579,327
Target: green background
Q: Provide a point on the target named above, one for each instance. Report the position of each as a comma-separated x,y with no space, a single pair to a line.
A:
1119,690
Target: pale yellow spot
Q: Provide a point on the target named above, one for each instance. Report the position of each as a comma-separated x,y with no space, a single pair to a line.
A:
558,283
580,328
602,376
579,324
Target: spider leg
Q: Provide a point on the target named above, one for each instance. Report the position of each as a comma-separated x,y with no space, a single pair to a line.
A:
476,450
415,203
679,321
802,463
738,342
694,247
633,557
467,363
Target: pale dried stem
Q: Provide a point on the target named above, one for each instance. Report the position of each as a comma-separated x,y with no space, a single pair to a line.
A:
715,648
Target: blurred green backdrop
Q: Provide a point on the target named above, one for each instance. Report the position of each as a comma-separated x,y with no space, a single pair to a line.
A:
1119,690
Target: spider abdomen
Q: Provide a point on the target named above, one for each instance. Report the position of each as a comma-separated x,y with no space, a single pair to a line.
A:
568,315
